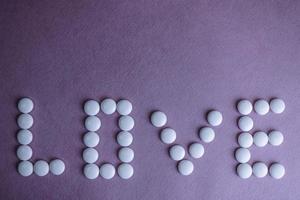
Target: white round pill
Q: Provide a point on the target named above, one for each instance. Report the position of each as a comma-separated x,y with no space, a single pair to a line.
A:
275,138
244,170
196,150
245,123
260,169
25,121
185,167
124,138
277,105
214,118
124,107
158,119
177,152
91,107
244,107
41,168
261,107
168,135
125,171
242,155
92,123
260,139
25,105
91,139
108,106
207,134
107,171
24,152
57,167
91,171
90,155
126,123
25,168
277,170
24,137
126,154
245,140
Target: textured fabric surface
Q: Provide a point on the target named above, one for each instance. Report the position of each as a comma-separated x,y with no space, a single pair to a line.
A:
182,57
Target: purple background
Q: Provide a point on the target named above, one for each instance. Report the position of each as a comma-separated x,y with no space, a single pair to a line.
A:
183,57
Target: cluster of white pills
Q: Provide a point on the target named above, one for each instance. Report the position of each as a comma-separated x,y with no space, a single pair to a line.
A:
214,118
24,151
259,138
124,138
261,106
168,136
195,150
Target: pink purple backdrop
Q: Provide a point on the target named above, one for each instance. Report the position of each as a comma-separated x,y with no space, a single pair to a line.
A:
183,57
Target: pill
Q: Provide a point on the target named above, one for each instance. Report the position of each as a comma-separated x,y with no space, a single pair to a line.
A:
214,118
158,119
90,155
277,105
260,139
245,140
261,107
125,171
196,150
24,136
41,168
57,167
275,138
91,107
260,169
107,171
25,121
25,105
124,107
245,123
92,123
207,134
244,170
126,123
185,167
177,152
25,168
91,171
244,107
91,139
126,154
168,135
24,152
277,170
108,106
124,138
242,155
